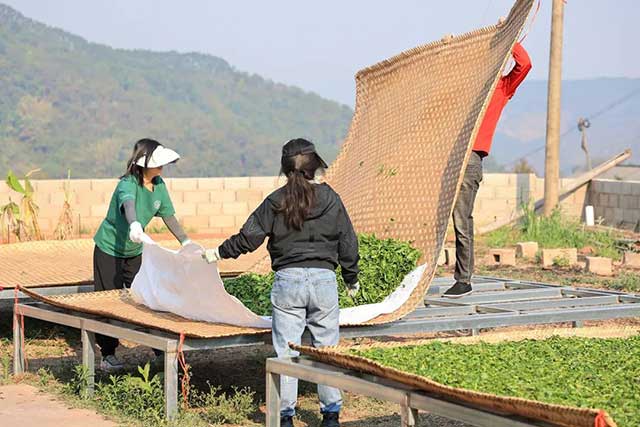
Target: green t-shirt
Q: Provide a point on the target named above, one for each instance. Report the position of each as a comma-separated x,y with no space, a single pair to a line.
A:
113,235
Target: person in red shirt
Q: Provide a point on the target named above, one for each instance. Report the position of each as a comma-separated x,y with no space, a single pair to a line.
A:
463,209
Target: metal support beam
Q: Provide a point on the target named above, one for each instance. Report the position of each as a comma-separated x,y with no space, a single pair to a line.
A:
381,388
273,399
18,340
171,384
88,360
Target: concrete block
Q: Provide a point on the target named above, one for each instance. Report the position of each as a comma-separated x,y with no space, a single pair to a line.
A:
506,193
222,221
210,183
630,202
183,184
635,188
235,208
44,185
263,182
526,249
450,256
196,222
239,220
186,209
236,183
248,194
569,254
196,197
495,179
631,259
222,196
106,185
99,210
504,256
601,266
208,209
630,215
90,198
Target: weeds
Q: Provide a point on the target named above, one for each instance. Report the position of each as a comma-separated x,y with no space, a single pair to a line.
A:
140,397
217,407
556,231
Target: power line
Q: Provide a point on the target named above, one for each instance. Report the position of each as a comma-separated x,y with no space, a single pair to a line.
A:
604,110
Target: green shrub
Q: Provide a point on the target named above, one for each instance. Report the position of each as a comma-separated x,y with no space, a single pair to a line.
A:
383,265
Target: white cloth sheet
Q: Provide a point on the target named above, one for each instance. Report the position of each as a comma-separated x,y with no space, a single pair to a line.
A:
181,282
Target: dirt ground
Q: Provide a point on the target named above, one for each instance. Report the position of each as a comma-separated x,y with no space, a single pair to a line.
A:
23,405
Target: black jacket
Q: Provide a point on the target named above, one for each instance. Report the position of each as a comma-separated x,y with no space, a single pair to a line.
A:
326,239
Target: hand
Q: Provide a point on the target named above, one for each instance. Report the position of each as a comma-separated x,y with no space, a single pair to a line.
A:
136,232
186,242
211,255
352,290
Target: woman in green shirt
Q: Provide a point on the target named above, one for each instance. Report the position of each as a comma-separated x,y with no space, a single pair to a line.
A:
140,195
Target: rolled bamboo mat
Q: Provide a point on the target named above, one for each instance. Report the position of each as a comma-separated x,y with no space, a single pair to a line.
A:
556,415
416,117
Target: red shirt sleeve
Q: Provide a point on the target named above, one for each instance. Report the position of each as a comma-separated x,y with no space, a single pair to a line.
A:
523,65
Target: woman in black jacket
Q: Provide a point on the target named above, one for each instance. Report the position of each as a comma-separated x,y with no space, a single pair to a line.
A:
309,234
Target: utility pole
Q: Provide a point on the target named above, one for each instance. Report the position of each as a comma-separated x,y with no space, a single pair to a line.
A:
552,152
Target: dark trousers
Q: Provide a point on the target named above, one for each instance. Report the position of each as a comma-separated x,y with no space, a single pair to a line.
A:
110,273
463,219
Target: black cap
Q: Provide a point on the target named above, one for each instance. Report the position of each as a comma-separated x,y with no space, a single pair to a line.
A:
301,146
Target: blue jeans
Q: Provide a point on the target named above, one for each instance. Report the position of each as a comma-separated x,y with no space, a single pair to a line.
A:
305,297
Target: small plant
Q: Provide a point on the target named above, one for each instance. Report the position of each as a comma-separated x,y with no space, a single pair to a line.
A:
561,262
28,212
44,376
6,367
217,407
10,220
64,229
138,397
77,386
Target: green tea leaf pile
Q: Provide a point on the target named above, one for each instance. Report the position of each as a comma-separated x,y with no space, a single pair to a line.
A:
383,265
584,372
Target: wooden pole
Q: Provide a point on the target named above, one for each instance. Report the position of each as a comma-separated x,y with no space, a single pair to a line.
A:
552,153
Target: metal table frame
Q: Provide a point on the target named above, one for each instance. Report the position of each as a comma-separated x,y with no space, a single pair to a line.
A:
410,400
494,303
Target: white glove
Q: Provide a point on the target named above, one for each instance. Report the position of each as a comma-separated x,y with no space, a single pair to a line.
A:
136,232
186,242
353,289
212,255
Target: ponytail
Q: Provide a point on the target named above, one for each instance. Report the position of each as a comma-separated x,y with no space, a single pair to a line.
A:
299,193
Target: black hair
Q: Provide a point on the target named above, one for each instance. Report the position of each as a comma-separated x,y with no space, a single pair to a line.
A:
299,194
144,147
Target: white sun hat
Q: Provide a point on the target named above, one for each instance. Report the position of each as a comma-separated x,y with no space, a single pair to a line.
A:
161,156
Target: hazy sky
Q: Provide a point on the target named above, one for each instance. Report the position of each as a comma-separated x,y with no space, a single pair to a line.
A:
319,46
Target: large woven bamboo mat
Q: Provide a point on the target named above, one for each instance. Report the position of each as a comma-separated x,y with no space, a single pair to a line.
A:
69,262
557,415
118,305
416,115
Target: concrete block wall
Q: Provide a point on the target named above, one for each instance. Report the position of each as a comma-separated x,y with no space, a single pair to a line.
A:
617,203
205,205
221,205
502,195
